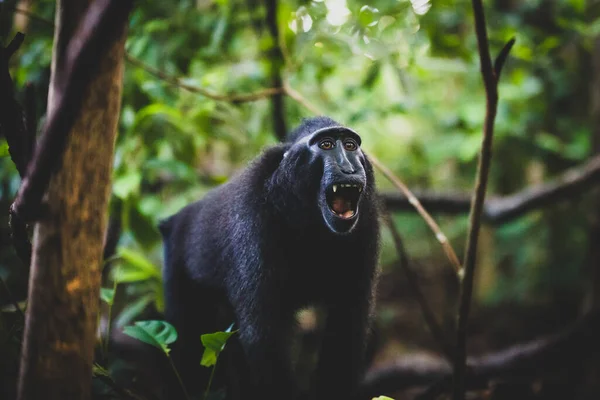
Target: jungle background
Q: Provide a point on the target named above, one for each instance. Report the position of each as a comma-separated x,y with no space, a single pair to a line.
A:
405,75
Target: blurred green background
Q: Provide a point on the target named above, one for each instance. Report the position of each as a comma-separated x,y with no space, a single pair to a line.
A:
405,75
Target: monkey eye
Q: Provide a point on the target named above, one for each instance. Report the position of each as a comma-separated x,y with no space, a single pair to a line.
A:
326,144
350,145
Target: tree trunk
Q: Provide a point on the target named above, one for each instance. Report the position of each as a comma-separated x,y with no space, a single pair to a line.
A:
60,331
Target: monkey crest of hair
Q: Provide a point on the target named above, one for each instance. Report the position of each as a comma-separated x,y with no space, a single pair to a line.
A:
298,227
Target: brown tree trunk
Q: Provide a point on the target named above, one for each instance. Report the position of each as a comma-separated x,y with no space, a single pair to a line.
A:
60,331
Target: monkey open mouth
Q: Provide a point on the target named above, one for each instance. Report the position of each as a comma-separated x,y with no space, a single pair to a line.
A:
342,199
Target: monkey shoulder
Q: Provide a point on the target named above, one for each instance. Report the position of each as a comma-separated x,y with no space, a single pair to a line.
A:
209,235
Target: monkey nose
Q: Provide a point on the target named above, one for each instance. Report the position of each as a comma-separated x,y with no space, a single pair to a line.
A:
348,170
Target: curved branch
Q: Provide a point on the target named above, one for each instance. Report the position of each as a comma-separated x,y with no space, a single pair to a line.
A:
234,98
501,209
414,202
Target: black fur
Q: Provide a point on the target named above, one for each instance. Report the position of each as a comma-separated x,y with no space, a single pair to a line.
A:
259,248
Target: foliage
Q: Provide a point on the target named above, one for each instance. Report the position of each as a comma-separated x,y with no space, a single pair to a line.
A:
405,74
214,344
159,334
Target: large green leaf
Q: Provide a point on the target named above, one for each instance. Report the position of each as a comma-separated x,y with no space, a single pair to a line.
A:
155,333
214,343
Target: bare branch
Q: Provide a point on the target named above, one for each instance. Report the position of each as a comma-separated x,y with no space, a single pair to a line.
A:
296,96
491,89
499,63
440,236
234,98
34,17
501,209
14,44
413,282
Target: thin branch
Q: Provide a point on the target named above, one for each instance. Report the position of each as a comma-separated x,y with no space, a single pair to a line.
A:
499,63
297,97
14,44
412,199
491,89
234,98
501,209
34,17
413,282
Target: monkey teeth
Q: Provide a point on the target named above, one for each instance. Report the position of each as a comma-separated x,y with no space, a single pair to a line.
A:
347,185
342,199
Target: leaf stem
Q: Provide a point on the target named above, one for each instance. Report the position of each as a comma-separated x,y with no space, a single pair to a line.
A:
212,374
185,393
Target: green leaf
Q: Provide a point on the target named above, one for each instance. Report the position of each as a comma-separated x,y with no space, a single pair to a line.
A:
135,267
214,343
382,398
107,295
99,370
142,227
4,149
134,309
127,184
155,333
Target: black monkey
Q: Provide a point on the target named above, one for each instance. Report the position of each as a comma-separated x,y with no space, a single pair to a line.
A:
298,227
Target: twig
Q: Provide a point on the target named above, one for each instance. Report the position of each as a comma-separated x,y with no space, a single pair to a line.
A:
500,60
413,281
490,80
34,17
292,93
441,237
501,209
14,44
235,98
